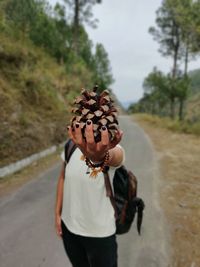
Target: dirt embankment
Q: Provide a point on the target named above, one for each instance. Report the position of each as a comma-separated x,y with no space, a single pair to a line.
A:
179,159
35,98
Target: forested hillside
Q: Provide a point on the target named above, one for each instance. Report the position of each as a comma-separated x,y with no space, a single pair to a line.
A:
45,60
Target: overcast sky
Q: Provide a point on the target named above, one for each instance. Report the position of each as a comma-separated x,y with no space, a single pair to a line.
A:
123,30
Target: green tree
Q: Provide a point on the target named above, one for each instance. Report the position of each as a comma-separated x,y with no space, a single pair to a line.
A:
182,84
196,24
44,32
64,42
185,15
85,49
103,75
177,32
159,87
168,34
21,14
82,12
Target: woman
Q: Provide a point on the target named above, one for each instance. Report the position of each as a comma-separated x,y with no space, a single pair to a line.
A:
84,215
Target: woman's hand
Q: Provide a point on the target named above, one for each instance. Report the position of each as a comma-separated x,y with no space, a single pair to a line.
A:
58,225
94,151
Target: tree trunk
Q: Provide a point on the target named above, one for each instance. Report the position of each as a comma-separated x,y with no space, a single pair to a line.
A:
181,103
172,107
186,60
76,25
181,100
181,109
174,70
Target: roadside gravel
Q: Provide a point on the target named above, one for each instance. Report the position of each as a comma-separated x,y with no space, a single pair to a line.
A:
179,159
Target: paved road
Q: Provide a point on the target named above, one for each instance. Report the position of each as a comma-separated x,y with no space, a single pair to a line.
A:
27,236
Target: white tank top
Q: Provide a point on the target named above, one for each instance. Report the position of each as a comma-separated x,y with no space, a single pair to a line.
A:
86,210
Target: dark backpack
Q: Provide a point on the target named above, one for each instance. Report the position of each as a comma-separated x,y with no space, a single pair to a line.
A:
124,200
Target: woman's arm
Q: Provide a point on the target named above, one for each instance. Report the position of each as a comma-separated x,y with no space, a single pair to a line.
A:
116,156
59,201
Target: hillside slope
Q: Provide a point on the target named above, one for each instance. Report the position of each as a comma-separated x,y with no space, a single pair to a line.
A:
35,96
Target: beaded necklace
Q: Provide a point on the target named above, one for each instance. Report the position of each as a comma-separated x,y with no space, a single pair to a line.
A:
96,167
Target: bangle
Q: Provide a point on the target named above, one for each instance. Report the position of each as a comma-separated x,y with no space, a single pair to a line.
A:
97,167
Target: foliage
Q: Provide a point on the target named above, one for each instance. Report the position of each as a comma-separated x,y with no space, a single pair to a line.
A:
40,74
167,32
102,76
177,32
21,13
81,11
173,125
160,89
51,29
195,81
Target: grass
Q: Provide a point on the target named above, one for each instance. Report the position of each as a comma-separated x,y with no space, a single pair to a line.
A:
178,158
35,98
193,108
173,125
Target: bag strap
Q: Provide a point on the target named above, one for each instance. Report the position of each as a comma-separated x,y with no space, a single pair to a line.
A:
109,191
69,149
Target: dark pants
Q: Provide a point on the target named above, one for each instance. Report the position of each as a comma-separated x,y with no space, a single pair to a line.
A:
90,251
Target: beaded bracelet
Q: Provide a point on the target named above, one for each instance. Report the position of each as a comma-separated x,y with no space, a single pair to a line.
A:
96,167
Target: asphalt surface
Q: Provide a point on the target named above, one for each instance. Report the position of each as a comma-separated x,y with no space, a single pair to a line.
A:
27,235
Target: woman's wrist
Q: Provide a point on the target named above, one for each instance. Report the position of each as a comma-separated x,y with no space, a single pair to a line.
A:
97,167
96,159
100,159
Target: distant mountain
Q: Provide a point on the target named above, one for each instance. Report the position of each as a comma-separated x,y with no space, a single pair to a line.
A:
126,104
